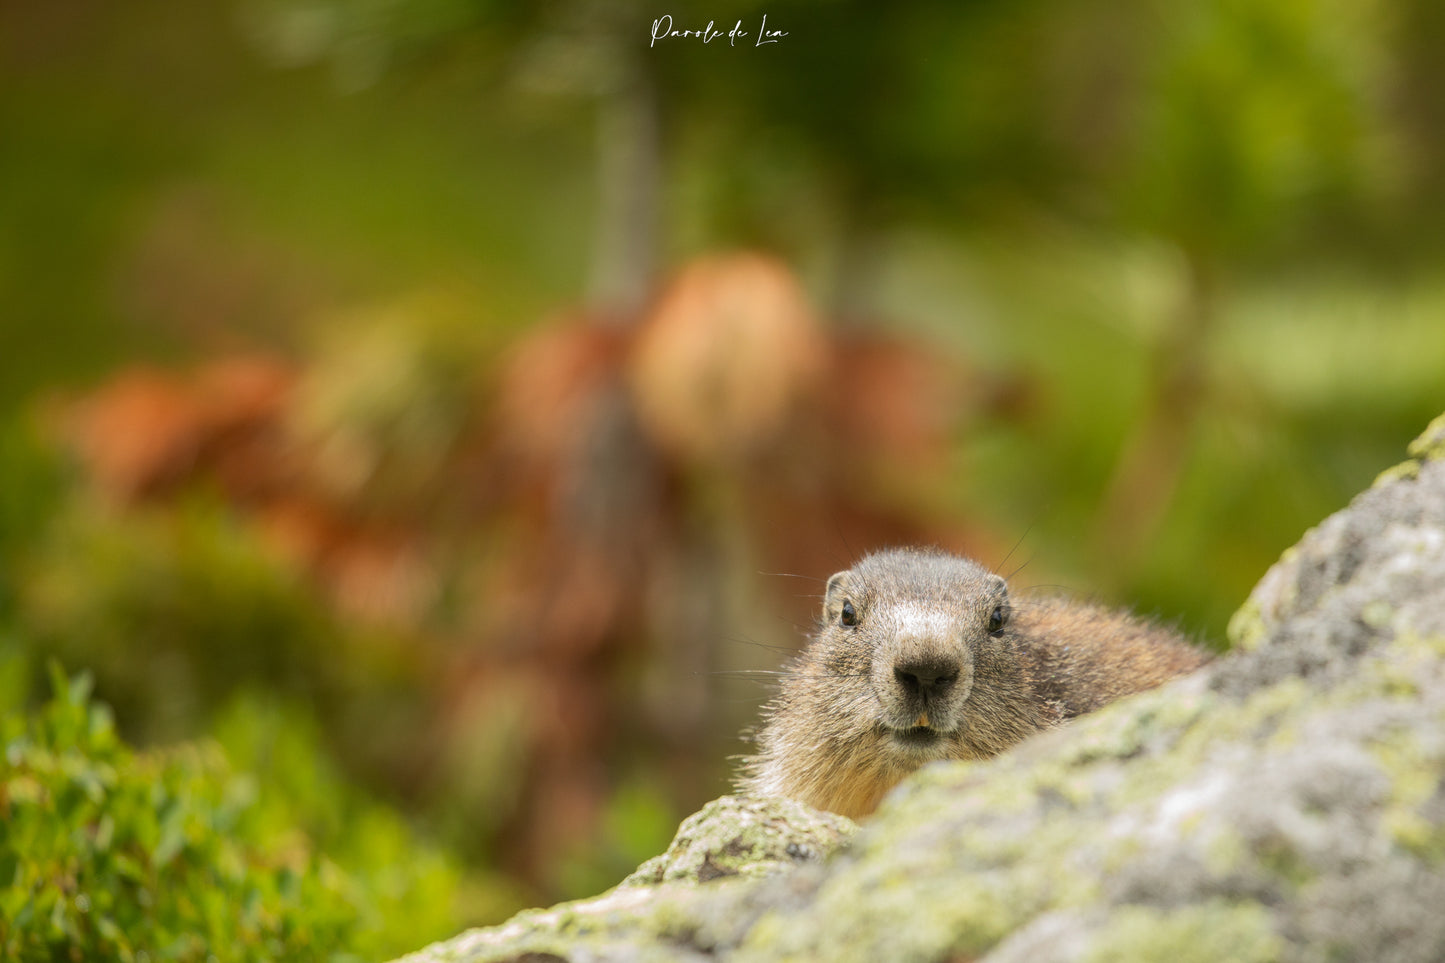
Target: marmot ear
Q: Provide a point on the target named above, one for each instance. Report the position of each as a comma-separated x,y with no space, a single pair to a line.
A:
834,595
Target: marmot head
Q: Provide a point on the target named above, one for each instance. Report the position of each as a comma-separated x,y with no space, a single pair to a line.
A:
921,655
923,661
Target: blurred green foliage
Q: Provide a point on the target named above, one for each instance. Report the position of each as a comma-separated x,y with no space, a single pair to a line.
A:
195,593
214,613
1258,125
33,489
172,854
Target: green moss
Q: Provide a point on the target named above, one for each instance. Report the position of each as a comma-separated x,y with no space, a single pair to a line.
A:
1213,931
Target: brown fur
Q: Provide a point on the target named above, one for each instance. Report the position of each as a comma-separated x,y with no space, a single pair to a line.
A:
920,676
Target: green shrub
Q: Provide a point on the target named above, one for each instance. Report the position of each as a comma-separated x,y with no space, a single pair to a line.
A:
173,610
107,853
180,610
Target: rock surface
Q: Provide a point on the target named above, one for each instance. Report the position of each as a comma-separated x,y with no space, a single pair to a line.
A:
1285,803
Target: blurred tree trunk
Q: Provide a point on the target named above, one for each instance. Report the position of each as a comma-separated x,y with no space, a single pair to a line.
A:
629,172
856,249
1152,461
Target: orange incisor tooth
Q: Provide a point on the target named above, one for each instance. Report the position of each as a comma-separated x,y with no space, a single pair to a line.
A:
923,720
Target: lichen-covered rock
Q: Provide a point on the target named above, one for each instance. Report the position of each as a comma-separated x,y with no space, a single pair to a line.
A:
1286,803
659,911
735,836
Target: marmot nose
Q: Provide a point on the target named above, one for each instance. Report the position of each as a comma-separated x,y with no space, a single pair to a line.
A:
927,676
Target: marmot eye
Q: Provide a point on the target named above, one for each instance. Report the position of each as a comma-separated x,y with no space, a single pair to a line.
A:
997,619
850,614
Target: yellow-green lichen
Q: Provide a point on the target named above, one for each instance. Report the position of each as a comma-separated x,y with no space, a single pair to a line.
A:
899,920
1246,630
1415,777
1146,779
1206,933
1426,648
1264,711
1241,722
1377,614
1064,787
699,917
1405,471
1394,679
768,937
1395,672
1281,860
1226,853
1431,443
1415,834
742,836
1123,729
1430,446
1121,853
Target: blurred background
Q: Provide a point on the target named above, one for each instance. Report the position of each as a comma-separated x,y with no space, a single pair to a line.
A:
451,408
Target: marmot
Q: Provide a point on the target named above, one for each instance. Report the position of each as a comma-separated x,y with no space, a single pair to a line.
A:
922,655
